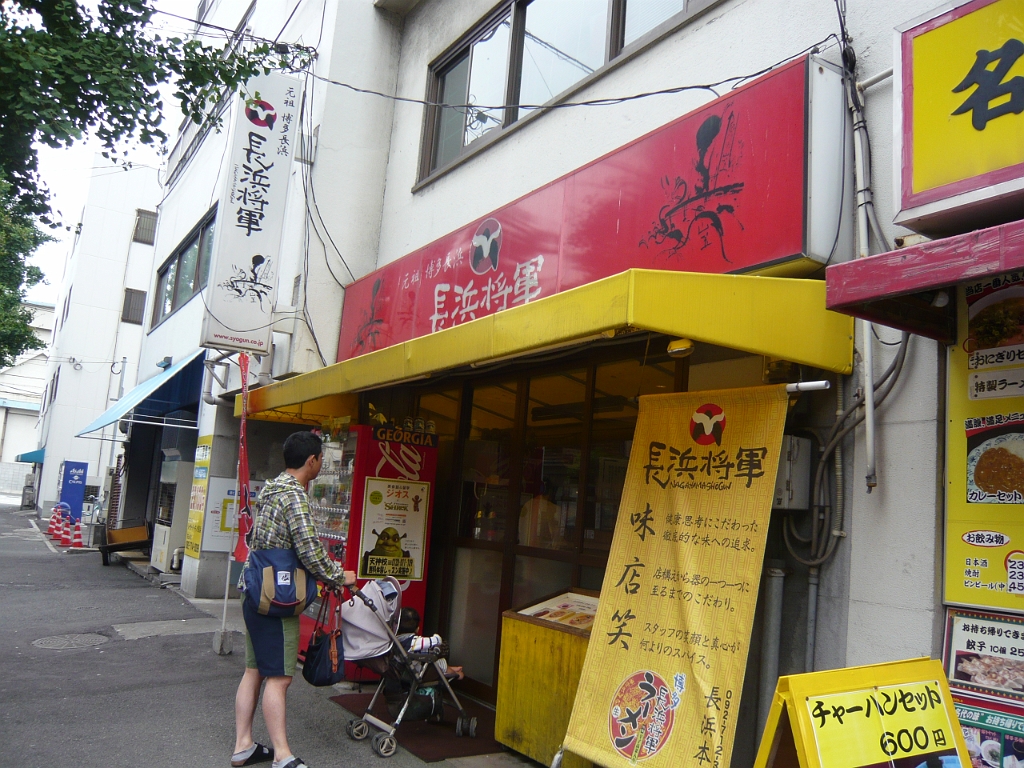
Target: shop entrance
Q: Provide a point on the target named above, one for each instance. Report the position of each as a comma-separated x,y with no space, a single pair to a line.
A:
530,477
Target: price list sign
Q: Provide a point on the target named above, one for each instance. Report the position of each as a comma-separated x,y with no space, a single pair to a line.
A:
894,715
664,669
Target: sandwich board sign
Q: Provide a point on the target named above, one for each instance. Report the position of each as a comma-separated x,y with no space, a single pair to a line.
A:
898,714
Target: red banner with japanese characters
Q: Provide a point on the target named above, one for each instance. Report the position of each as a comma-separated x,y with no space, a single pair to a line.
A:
663,675
721,189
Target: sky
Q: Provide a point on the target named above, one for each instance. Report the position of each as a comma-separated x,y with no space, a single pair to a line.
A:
66,171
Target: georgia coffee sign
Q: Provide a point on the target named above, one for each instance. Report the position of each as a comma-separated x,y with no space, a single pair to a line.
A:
721,189
242,289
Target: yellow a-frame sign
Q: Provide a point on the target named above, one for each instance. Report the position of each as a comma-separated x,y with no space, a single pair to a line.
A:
898,714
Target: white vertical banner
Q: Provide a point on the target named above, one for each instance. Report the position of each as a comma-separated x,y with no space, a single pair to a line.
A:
242,289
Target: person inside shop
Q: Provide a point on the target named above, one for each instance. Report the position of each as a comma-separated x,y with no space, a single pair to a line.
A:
540,518
281,521
408,626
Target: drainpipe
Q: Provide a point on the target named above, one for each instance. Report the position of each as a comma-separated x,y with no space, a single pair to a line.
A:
209,376
812,617
770,638
263,378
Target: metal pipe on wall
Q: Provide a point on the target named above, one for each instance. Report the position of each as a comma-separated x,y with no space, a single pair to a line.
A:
771,638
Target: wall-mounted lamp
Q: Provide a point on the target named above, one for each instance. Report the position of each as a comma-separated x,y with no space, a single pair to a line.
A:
165,363
680,348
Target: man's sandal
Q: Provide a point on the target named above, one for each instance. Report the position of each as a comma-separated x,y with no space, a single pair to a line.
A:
295,762
260,754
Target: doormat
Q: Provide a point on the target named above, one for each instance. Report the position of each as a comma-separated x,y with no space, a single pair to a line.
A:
431,742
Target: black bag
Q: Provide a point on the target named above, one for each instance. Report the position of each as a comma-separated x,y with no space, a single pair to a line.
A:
325,655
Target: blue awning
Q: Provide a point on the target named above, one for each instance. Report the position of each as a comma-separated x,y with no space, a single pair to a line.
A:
32,457
141,392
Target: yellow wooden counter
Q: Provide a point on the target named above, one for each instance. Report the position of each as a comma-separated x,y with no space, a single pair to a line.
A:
538,672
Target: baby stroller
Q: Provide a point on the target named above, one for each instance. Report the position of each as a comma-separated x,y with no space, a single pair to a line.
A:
369,625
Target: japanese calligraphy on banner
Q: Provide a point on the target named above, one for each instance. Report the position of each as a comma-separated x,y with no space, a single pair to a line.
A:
663,675
197,501
721,189
959,73
985,448
242,288
899,715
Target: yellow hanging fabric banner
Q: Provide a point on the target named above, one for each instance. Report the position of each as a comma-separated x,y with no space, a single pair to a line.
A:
663,674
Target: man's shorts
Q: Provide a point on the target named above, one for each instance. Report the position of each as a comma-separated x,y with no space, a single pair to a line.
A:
271,643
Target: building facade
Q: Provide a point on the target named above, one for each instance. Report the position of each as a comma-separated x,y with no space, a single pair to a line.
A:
97,332
511,220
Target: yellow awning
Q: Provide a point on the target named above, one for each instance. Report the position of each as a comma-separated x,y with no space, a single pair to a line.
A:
776,317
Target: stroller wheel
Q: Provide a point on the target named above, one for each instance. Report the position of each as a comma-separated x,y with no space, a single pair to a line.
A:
357,729
472,727
385,745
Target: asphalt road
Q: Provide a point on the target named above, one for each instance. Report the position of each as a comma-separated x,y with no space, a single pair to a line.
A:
158,701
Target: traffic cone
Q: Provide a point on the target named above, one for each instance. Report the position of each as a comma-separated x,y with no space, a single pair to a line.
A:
65,536
53,524
58,527
76,543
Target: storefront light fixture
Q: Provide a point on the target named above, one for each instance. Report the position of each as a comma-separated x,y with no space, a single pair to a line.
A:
680,348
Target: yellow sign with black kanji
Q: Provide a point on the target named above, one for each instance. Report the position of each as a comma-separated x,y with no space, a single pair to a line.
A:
964,81
664,669
899,715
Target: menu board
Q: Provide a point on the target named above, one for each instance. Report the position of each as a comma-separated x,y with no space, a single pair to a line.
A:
994,732
985,447
569,609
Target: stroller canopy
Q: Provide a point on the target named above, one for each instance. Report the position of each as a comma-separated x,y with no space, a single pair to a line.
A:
362,630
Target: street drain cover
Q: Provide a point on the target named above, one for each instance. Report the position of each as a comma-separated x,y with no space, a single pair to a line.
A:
60,642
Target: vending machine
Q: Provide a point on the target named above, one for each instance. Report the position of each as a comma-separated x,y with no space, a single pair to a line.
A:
372,504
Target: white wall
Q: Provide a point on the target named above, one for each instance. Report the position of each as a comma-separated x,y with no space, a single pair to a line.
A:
90,341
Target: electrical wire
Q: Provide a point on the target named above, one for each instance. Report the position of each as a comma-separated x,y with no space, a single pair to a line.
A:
601,102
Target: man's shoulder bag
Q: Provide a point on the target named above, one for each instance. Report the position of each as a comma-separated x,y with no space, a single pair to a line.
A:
276,583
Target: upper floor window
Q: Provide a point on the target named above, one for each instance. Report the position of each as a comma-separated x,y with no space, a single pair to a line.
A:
145,227
185,273
526,53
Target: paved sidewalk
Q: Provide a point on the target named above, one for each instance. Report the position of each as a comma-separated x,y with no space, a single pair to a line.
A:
100,667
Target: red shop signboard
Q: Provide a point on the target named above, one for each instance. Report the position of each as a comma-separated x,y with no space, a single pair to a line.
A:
725,188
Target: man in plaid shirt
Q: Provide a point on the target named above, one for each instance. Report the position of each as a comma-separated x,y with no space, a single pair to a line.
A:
282,521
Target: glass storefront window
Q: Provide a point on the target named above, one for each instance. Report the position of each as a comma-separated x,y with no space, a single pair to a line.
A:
616,387
537,577
474,621
486,463
552,450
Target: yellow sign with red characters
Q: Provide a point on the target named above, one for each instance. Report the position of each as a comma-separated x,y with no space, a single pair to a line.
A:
962,79
899,715
663,674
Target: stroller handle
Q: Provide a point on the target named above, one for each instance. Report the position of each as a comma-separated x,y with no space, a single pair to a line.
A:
356,592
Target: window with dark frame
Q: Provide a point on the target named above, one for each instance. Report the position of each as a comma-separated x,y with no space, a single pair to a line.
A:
185,273
134,306
145,227
527,52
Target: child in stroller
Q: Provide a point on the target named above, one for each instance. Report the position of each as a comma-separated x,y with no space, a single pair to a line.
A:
408,623
370,626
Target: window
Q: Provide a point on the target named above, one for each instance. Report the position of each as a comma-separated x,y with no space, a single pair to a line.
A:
185,273
526,53
145,227
134,304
